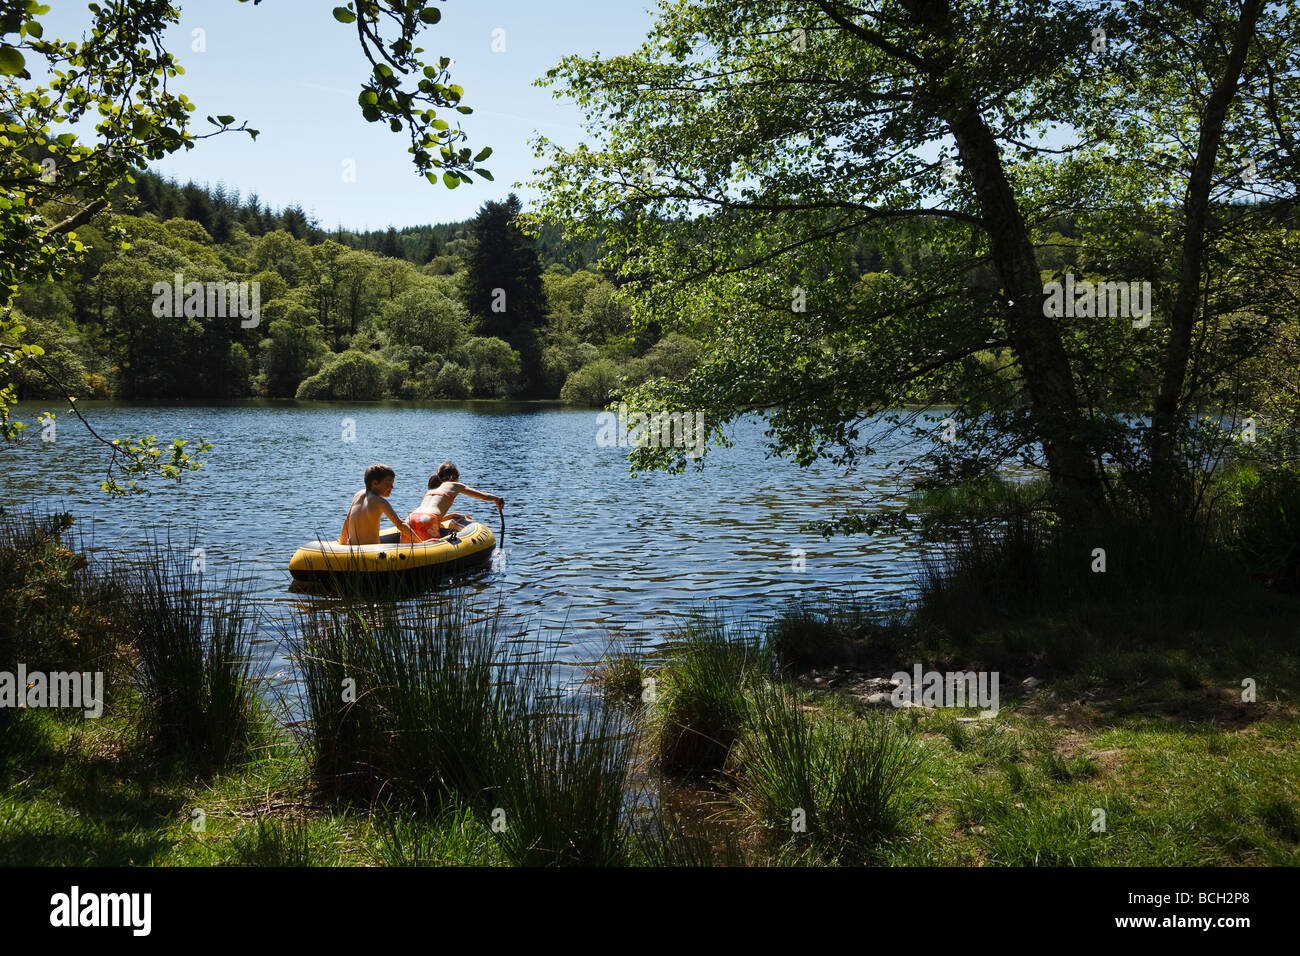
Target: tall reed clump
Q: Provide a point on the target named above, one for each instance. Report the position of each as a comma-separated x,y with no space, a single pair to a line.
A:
196,665
816,633
982,574
846,782
402,706
701,692
421,710
564,799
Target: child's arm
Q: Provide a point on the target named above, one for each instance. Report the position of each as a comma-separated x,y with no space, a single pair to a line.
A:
467,490
343,535
408,534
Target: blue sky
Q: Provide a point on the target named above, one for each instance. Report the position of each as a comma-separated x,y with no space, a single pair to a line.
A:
293,72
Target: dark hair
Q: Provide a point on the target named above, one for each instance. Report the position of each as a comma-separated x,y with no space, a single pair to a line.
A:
378,473
446,472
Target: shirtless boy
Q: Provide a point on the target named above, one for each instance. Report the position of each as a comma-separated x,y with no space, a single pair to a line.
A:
426,520
361,526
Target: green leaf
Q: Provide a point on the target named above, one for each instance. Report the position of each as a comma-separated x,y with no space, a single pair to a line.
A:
11,61
483,154
450,180
344,15
430,15
485,174
225,120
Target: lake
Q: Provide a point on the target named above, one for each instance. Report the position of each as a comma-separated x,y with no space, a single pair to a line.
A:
590,551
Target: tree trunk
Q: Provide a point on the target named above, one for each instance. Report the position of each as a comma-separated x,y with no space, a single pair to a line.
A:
1035,338
1165,469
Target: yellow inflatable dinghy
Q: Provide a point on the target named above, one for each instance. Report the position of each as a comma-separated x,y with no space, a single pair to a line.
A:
464,546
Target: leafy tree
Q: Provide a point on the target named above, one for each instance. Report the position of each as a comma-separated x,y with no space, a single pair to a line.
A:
61,362
52,182
279,251
292,350
453,381
603,315
426,317
493,367
593,384
749,150
673,356
564,356
566,296
351,376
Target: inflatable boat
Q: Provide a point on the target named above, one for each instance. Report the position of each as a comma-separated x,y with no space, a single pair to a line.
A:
464,546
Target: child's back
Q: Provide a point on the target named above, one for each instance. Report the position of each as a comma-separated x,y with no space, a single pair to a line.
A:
361,526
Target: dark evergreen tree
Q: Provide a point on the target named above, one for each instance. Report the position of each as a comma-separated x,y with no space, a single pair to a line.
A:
432,248
293,221
169,205
198,206
391,245
504,284
222,223
146,190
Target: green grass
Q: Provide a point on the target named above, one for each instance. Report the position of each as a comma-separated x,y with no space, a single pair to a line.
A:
454,838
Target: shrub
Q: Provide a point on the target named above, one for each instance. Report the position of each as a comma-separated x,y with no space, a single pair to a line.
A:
57,613
452,381
593,384
425,317
350,376
494,367
1262,524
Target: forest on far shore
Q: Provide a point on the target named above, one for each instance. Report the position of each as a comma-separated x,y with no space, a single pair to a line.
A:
343,316
350,316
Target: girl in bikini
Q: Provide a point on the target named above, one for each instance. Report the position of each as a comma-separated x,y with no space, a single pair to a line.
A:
426,520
